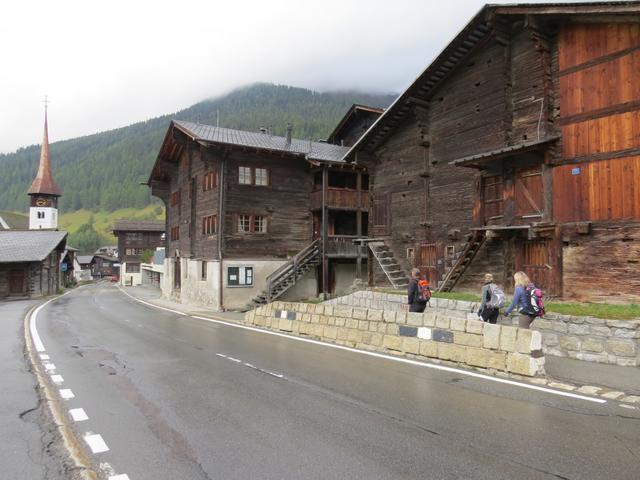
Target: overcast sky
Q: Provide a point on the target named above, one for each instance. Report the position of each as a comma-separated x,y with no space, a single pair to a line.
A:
111,63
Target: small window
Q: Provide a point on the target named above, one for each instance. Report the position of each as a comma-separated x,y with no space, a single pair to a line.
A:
40,214
244,175
240,276
259,224
244,223
175,233
209,181
261,176
133,267
451,250
209,224
203,270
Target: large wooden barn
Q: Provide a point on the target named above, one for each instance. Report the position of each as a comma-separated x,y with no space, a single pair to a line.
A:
518,148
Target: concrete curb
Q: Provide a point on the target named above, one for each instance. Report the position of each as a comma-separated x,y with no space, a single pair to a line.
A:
629,401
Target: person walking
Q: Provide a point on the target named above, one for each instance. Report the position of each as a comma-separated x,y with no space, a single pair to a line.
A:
491,300
417,302
521,300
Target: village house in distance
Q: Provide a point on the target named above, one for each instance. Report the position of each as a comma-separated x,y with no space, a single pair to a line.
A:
516,149
134,238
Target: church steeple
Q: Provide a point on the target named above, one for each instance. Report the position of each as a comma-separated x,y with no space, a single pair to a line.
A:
44,192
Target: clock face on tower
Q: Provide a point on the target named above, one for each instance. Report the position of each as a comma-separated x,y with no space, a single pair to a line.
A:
41,202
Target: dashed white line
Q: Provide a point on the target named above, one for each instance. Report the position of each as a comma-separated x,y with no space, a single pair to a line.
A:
44,356
49,366
78,414
221,355
66,393
234,360
96,443
57,379
122,476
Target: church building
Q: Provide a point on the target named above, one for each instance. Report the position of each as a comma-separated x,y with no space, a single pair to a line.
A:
33,262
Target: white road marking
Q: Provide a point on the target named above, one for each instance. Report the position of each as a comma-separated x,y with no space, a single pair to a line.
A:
221,355
57,379
37,342
49,366
78,414
249,365
96,443
66,393
234,360
151,304
122,476
623,405
409,361
44,356
384,356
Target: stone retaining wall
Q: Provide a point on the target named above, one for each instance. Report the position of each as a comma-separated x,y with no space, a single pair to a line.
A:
429,335
584,338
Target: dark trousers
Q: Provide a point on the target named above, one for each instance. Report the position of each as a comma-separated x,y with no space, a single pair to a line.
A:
417,307
490,315
525,321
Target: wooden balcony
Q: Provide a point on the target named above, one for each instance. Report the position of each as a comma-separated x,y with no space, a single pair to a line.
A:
342,246
341,198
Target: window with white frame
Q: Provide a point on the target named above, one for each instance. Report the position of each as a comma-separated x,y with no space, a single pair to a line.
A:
262,176
259,224
241,276
244,223
244,175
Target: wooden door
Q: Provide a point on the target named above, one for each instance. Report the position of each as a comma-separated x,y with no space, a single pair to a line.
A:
493,199
533,258
427,262
17,282
177,273
381,213
529,196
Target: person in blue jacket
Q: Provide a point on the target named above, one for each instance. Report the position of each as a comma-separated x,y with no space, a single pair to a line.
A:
521,300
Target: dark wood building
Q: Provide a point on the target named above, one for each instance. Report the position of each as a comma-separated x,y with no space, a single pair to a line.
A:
134,238
252,215
30,263
518,148
354,124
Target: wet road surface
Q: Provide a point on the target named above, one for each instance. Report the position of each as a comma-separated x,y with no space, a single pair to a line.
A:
180,398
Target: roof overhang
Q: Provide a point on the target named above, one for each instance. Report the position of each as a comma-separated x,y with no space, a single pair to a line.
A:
486,159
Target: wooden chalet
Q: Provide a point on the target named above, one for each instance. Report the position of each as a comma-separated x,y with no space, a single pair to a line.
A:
255,216
518,148
352,126
134,238
31,263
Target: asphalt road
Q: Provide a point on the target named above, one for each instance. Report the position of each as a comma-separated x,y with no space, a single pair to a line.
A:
180,398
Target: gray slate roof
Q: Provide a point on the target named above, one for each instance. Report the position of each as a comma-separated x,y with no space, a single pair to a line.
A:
139,226
84,259
29,245
264,141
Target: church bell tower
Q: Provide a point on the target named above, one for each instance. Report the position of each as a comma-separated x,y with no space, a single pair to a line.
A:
44,193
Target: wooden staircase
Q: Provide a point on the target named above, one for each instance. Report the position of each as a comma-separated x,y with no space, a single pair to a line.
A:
389,264
453,274
288,274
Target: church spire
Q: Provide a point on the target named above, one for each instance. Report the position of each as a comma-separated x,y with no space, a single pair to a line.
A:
44,184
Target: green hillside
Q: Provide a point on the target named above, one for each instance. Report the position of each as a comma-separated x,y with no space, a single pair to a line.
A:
102,172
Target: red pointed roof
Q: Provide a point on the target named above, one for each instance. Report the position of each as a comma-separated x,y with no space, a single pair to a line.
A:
44,183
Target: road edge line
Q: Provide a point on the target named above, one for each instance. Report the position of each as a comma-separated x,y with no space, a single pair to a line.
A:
48,396
381,355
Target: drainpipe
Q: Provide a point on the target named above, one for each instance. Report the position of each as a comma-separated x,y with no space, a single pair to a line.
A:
221,233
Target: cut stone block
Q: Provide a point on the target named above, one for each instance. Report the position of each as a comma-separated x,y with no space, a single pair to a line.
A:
468,339
491,336
415,319
411,345
428,349
392,342
478,357
508,337
475,326
521,364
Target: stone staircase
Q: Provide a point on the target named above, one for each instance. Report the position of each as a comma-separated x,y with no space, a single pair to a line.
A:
460,264
389,264
288,274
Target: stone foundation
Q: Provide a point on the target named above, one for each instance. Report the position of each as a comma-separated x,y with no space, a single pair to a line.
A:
583,338
422,335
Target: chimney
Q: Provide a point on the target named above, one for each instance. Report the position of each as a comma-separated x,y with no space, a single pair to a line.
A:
289,130
263,130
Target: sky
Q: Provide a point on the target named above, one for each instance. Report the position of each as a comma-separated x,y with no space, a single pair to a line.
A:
104,65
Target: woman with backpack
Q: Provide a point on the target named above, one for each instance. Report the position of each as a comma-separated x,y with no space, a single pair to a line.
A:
522,300
491,300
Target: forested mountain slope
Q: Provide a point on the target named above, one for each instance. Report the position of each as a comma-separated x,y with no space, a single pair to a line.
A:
104,171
